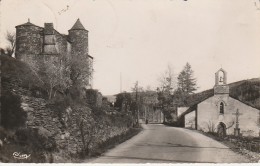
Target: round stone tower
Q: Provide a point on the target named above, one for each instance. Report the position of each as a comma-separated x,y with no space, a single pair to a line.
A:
28,40
78,37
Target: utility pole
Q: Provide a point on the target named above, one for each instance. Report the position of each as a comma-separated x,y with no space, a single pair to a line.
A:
145,115
120,82
137,103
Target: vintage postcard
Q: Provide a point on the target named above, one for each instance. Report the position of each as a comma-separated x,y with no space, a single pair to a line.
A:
130,81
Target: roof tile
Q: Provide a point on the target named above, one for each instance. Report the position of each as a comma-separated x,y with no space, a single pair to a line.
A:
78,26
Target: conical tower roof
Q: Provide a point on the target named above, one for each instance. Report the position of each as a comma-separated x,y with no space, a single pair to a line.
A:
78,26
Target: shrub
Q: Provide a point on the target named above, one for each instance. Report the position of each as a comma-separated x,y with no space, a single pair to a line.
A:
58,106
6,134
13,115
35,139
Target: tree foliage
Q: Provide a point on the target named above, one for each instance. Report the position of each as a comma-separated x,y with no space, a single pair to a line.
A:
186,81
123,101
247,91
10,37
12,115
9,50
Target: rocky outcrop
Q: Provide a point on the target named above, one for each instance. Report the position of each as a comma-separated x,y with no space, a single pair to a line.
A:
64,129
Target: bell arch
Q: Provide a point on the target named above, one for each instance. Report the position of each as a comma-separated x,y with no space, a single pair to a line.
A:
221,77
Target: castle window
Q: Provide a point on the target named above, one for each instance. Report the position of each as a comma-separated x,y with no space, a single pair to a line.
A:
221,108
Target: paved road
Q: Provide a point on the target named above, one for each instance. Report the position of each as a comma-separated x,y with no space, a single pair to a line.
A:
161,144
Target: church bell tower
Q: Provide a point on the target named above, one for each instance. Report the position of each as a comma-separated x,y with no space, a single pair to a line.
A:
221,86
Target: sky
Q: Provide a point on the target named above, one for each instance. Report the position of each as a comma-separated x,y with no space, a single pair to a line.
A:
138,39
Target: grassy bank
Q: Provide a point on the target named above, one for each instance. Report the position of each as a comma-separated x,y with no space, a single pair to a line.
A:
111,143
241,145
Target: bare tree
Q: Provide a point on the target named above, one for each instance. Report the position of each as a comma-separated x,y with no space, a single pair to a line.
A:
167,80
138,97
56,76
11,38
211,127
53,73
167,85
88,129
231,123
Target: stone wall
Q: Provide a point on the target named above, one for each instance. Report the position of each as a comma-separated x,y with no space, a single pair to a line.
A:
64,128
29,40
64,47
38,115
79,42
221,89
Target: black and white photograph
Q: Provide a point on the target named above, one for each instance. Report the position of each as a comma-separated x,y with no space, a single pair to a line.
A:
130,81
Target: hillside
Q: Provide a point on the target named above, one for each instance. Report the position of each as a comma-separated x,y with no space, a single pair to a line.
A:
32,123
247,91
17,72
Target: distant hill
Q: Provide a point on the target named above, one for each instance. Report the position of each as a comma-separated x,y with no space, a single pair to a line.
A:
246,91
111,98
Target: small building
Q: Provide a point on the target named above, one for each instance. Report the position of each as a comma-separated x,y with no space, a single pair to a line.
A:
222,113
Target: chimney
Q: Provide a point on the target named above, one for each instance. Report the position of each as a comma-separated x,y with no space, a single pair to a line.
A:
48,28
49,44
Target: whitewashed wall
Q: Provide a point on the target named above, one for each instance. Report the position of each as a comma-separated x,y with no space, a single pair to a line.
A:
208,113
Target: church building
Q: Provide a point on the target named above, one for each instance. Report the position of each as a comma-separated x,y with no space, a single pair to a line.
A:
221,113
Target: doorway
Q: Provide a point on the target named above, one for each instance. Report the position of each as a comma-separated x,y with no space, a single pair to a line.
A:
221,129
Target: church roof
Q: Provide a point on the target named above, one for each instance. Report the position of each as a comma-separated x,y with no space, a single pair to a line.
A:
78,26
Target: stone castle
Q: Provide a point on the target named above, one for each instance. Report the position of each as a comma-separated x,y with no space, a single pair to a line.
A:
33,40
